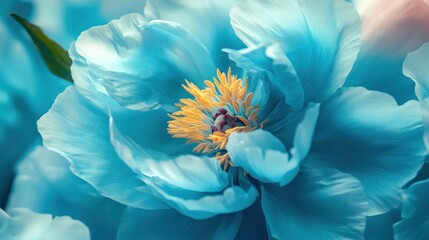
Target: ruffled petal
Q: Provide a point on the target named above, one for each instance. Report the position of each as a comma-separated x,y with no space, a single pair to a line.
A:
25,224
318,204
207,20
45,184
170,224
79,131
415,211
202,174
278,68
367,135
320,38
140,64
416,67
195,186
265,157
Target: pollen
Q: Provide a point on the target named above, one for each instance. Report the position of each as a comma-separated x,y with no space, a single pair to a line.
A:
214,113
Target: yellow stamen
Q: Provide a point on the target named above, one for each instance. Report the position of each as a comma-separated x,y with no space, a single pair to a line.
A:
196,118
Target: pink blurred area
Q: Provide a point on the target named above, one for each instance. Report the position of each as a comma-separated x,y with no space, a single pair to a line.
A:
394,26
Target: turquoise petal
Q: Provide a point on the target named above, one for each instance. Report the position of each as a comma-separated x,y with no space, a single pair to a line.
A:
25,224
380,226
170,224
415,213
196,186
190,172
265,157
45,184
79,131
320,203
320,38
416,67
207,20
140,64
273,62
367,135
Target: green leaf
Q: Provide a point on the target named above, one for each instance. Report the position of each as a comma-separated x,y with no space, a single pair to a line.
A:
55,57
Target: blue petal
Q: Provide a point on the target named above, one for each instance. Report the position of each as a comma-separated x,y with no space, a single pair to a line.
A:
45,184
189,172
264,156
140,64
380,226
149,129
425,112
367,135
320,38
25,224
79,131
170,224
253,225
318,204
415,211
381,73
416,67
195,186
208,21
280,71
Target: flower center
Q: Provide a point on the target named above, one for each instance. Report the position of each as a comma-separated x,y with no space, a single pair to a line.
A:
214,113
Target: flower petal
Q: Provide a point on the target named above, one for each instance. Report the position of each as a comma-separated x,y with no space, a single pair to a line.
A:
367,135
281,73
416,67
193,173
318,204
253,225
195,186
381,73
199,205
170,224
380,226
45,184
25,224
149,129
320,38
140,64
207,20
425,112
265,157
415,212
79,131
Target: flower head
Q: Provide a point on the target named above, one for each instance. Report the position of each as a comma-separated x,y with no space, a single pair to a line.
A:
308,157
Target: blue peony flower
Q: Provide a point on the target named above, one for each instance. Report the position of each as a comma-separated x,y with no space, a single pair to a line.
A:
45,184
22,223
281,150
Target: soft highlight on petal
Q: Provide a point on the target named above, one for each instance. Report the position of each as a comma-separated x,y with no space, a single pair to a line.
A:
318,204
25,224
321,38
141,64
367,135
